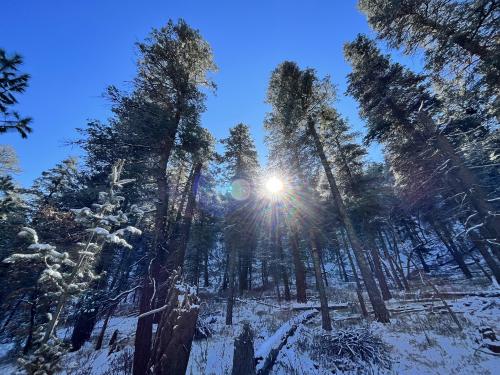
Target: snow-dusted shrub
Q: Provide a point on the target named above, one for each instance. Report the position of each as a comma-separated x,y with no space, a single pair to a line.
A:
355,350
62,278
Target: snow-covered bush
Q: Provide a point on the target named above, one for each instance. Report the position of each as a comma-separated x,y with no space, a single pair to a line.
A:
348,351
62,278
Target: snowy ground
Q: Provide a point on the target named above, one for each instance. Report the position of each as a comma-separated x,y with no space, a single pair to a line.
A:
419,340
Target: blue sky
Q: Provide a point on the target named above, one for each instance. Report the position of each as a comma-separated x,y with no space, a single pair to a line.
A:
75,49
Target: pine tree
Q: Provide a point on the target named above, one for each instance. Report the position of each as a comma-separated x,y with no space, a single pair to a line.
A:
297,97
60,277
174,64
240,233
12,83
458,37
400,112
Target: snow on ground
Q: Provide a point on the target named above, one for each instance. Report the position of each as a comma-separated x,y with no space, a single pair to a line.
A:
424,341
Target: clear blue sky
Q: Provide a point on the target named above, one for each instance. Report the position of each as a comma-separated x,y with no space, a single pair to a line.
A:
75,49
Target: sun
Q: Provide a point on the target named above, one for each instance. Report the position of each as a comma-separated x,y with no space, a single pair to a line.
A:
274,185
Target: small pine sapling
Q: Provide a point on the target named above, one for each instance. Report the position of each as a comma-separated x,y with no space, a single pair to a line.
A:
61,278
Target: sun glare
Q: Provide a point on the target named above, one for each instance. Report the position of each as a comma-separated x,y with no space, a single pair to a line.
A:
274,185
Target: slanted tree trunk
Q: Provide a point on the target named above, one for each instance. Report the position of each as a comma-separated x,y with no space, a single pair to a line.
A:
445,237
326,322
385,251
397,261
470,184
100,339
483,250
379,308
417,245
244,357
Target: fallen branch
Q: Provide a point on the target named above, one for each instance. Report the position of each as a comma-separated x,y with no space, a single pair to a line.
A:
340,306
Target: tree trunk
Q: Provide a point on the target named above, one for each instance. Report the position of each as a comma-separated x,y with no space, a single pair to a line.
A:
143,335
277,249
417,245
474,191
300,270
379,308
483,250
33,310
206,281
379,272
244,357
385,251
231,281
445,237
397,262
359,287
326,322
100,339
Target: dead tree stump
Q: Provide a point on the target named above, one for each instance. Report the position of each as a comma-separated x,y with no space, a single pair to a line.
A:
243,359
174,336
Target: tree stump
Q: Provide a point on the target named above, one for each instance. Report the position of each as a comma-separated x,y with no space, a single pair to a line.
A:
174,336
243,359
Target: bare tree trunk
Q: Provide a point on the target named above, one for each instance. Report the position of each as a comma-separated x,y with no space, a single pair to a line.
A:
231,278
379,273
359,288
277,247
326,322
300,270
389,259
100,339
417,245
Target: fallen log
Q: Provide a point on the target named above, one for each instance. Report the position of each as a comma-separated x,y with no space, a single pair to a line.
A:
266,355
340,306
452,295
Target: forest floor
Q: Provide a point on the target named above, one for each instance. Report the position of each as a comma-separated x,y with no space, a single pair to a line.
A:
422,338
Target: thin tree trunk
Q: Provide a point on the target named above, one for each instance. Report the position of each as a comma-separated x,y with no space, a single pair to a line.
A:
326,322
300,270
359,287
377,265
389,259
231,286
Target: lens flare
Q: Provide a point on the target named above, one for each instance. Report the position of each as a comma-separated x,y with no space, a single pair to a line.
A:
274,185
240,189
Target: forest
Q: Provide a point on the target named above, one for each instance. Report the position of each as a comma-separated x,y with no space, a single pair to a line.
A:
163,250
